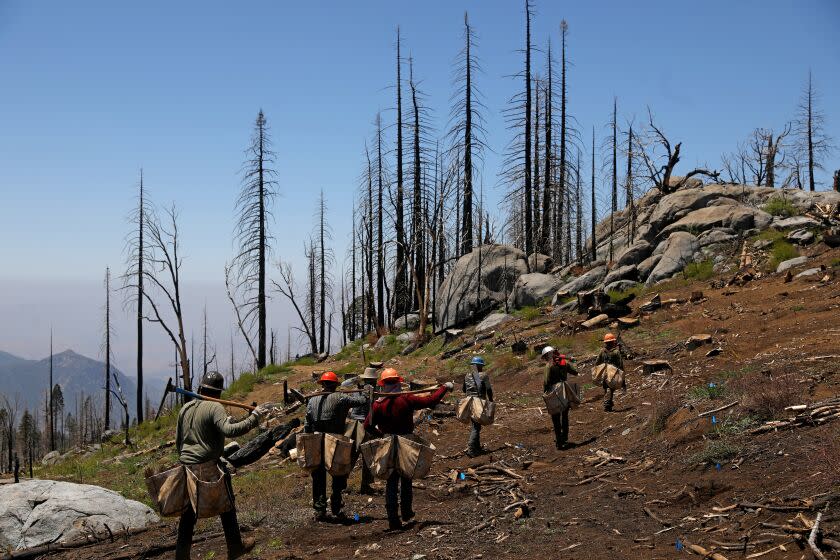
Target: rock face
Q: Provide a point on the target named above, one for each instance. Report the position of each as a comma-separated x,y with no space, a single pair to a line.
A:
801,237
585,282
628,272
620,285
492,321
465,292
794,222
407,322
790,263
679,251
635,253
734,216
531,289
37,512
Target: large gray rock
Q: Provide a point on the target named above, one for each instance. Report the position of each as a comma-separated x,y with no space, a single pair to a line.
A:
679,251
794,222
734,216
800,237
492,321
628,272
407,322
715,236
679,203
37,512
531,289
790,263
586,281
809,272
465,292
635,253
646,266
620,285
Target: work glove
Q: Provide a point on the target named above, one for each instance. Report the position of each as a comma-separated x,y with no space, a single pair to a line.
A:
261,410
449,386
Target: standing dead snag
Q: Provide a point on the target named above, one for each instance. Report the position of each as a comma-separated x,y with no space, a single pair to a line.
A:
661,176
401,296
253,210
107,349
287,288
812,144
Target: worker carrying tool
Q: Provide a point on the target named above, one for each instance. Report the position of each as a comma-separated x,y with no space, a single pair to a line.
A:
395,415
327,413
477,384
611,354
356,429
558,367
200,436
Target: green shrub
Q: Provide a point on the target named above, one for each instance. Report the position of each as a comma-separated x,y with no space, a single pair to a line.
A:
780,206
529,313
716,451
244,384
699,270
616,295
782,251
709,391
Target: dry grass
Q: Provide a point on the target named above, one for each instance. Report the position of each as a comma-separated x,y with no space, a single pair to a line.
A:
665,406
765,397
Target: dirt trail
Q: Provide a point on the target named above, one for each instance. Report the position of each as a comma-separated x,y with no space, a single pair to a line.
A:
654,497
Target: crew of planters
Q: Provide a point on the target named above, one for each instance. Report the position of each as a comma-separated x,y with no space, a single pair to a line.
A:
203,426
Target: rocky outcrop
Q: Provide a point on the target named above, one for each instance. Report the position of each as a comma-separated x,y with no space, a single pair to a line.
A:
678,251
635,253
628,272
586,281
533,288
620,285
407,322
735,216
790,263
37,512
492,321
480,280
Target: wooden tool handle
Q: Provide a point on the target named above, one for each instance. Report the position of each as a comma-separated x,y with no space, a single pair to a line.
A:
247,407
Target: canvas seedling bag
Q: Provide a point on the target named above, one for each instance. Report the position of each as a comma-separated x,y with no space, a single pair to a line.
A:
338,454
380,456
209,492
168,491
310,451
414,456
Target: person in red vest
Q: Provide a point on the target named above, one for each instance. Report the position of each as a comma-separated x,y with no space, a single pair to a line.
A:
395,415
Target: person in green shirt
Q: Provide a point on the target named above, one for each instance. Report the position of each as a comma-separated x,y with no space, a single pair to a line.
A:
610,354
200,440
557,369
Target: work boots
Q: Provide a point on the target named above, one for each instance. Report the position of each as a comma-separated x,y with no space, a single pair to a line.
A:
238,551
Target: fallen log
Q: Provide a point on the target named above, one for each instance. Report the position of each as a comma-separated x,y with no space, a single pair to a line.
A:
812,538
697,549
262,444
718,409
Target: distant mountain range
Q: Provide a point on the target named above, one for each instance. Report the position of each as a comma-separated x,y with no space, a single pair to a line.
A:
76,374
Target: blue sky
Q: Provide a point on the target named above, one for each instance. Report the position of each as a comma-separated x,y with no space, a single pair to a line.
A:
91,91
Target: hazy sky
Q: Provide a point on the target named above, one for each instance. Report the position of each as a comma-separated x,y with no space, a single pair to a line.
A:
90,92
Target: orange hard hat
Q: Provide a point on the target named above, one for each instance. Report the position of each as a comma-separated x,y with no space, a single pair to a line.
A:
609,337
389,375
329,377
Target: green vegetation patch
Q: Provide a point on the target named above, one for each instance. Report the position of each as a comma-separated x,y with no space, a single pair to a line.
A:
708,391
716,451
244,384
781,252
699,270
529,313
618,295
780,206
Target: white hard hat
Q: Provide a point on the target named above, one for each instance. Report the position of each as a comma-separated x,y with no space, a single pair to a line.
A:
547,350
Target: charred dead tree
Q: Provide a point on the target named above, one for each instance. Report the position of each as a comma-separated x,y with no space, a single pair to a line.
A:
50,412
812,144
380,237
536,220
402,298
418,195
772,152
528,233
325,259
614,169
629,194
163,279
660,175
107,348
593,209
562,186
253,211
466,137
546,221
287,286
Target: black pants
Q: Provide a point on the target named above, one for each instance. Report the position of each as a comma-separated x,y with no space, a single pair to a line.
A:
367,475
561,426
186,528
398,484
319,491
474,443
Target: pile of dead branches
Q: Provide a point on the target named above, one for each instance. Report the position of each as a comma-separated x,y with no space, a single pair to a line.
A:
807,415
